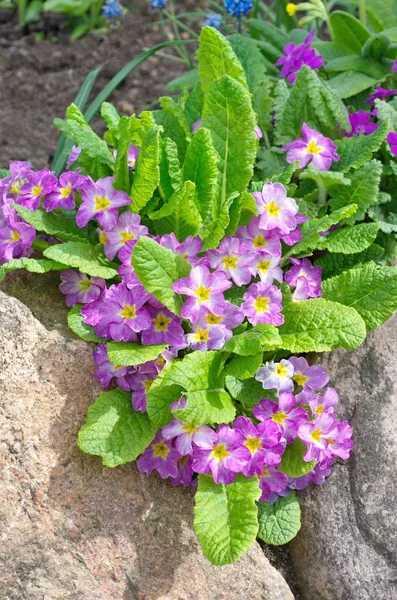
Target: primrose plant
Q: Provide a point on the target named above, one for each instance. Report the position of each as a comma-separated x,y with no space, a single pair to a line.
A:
198,283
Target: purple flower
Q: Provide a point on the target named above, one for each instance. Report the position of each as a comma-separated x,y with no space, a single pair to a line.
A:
196,126
271,480
140,383
160,456
223,457
127,229
38,185
341,443
267,267
316,435
10,187
263,442
73,156
205,291
309,377
187,434
286,413
295,57
78,287
185,472
258,132
306,278
232,259
392,141
316,476
277,376
133,153
106,370
381,94
360,124
319,404
101,200
262,304
16,236
312,146
231,318
118,313
165,328
259,239
63,194
208,337
189,248
277,210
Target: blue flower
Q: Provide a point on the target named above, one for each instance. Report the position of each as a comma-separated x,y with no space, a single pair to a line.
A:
214,20
112,9
158,4
237,7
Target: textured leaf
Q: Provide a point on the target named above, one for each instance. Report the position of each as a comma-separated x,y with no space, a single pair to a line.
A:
121,170
84,257
173,108
348,31
207,407
324,178
350,240
244,367
255,340
248,391
368,66
115,431
78,130
82,330
317,325
63,225
158,268
225,517
147,172
292,463
126,354
170,169
110,115
279,522
180,215
354,152
250,58
216,59
172,129
350,83
363,189
335,263
370,289
376,47
33,265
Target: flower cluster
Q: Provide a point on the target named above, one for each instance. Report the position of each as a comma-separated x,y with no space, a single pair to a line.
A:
296,56
255,445
237,7
213,20
112,9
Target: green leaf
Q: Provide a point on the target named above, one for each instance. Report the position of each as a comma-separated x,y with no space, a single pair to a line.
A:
255,340
248,391
292,463
317,325
201,167
115,431
244,367
158,268
82,330
110,115
225,517
368,66
170,169
350,83
121,170
324,178
82,135
63,225
180,215
335,263
279,522
207,407
348,31
250,58
173,108
370,289
187,80
363,189
126,354
376,47
216,59
350,240
356,151
84,257
33,265
147,172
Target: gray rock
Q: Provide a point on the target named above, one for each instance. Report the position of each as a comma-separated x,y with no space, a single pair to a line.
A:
72,529
347,547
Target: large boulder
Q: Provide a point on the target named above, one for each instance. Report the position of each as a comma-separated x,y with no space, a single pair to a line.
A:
347,547
70,528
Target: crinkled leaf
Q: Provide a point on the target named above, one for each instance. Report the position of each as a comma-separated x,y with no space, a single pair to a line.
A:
244,367
170,169
255,340
370,289
350,83
369,66
317,325
33,265
225,517
63,225
248,391
250,58
147,172
292,462
335,263
78,130
279,522
128,354
84,257
350,240
180,215
356,151
207,406
82,330
115,431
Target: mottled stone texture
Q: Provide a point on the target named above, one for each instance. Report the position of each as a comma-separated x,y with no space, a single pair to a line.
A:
70,528
347,548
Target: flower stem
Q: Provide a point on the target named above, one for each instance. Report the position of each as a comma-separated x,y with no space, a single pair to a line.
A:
40,245
361,8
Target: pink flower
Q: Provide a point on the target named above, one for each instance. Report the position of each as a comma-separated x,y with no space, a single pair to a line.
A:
285,413
165,328
160,456
277,210
127,229
271,480
277,376
232,259
263,441
306,278
317,434
187,434
63,193
267,267
312,147
260,240
262,304
309,377
102,201
79,288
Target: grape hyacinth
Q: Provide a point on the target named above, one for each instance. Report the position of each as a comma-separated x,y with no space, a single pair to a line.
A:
112,9
236,8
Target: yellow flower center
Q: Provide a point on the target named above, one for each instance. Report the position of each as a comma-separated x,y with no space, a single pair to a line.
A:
131,163
15,236
263,266
281,370
190,428
128,311
101,203
16,186
161,322
253,444
160,450
316,435
203,293
202,335
265,473
85,284
66,191
147,384
212,319
320,409
312,148
273,209
125,236
259,241
261,304
300,379
219,452
102,238
291,9
36,191
279,417
229,262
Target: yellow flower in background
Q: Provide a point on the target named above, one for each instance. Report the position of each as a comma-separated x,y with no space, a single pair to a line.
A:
291,9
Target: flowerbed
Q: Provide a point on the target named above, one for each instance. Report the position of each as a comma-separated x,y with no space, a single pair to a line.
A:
202,260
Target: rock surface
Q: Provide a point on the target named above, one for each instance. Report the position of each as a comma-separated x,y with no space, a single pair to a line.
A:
72,529
347,547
